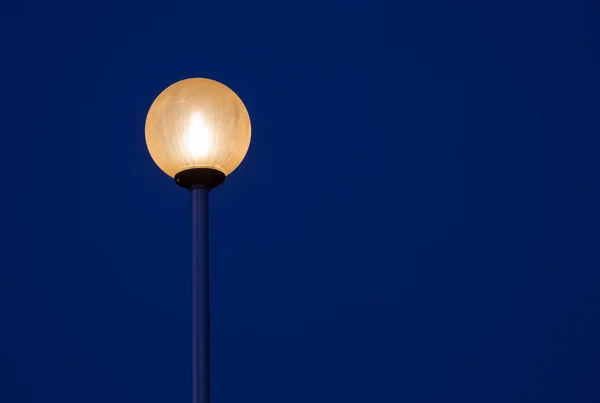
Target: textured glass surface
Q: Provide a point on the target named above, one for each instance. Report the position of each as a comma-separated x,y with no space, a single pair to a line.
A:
197,123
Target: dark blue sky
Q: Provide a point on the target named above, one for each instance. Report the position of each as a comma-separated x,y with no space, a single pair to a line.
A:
416,219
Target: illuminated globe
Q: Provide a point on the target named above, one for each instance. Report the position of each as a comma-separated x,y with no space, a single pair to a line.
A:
197,123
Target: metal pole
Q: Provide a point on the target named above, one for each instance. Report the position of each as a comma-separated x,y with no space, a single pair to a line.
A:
200,299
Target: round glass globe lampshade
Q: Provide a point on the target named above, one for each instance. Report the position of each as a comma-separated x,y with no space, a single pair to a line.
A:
197,123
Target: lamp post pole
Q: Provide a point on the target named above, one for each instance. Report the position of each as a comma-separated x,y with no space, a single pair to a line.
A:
200,297
200,181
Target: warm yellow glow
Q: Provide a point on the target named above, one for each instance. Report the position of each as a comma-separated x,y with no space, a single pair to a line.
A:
198,137
197,123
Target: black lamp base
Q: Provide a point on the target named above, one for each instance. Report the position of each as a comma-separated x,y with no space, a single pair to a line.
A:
206,178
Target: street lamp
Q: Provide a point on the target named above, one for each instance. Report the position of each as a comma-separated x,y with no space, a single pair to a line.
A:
198,132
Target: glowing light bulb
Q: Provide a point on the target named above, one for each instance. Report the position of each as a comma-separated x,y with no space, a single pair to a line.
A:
198,137
197,123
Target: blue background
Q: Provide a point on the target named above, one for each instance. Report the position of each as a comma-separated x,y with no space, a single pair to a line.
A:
416,219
